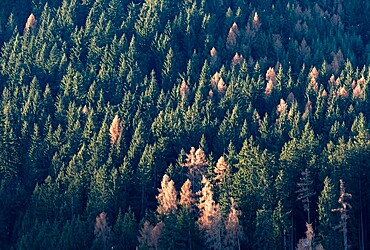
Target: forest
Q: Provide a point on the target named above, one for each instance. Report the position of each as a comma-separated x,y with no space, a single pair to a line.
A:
185,124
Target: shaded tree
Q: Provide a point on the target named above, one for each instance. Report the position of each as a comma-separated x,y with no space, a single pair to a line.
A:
102,232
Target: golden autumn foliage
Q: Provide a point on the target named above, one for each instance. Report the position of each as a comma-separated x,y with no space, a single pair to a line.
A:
357,87
206,205
221,168
167,197
232,37
282,107
233,229
210,220
215,78
214,57
342,92
237,59
269,87
102,229
196,163
307,243
145,237
221,86
30,24
271,75
314,74
256,21
184,89
115,129
186,195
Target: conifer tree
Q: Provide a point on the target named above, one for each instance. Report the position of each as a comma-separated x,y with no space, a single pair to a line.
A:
186,218
30,24
127,85
115,129
327,221
146,238
167,197
196,163
145,175
233,228
210,220
102,232
343,210
223,181
305,192
74,234
9,159
307,243
125,231
264,232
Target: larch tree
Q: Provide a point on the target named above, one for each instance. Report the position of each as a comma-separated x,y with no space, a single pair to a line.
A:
151,63
233,229
210,220
185,219
256,21
115,129
232,37
196,163
222,170
167,197
31,24
145,237
184,89
237,59
221,86
102,232
156,234
271,81
187,199
214,57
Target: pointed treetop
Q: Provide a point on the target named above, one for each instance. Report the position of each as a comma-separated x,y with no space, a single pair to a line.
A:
342,92
271,75
314,74
233,228
221,168
184,89
145,234
186,195
256,21
30,24
221,86
215,78
115,129
213,52
237,59
167,196
102,229
269,87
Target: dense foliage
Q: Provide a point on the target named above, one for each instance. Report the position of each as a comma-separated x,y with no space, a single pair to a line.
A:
192,124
